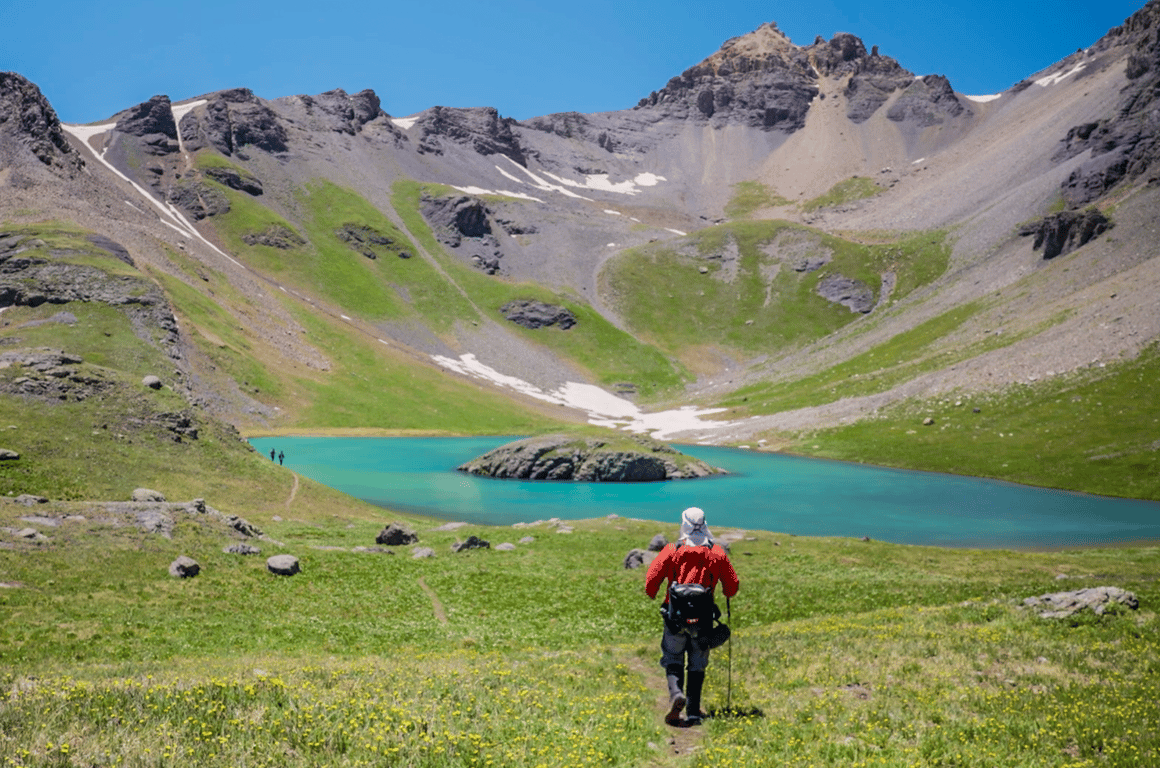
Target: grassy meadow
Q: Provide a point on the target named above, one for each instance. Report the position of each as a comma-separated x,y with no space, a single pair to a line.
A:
845,652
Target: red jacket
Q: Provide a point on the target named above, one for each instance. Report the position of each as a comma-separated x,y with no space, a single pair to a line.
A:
688,565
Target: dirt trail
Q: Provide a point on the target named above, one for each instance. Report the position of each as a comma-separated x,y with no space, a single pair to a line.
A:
293,493
436,606
682,740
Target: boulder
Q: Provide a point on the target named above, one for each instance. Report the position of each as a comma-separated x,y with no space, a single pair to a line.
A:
658,543
527,540
507,546
282,565
1062,605
472,542
239,524
29,500
7,455
146,494
184,568
419,553
634,559
396,534
151,381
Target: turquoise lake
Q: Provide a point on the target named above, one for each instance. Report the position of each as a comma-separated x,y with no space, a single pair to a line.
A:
786,494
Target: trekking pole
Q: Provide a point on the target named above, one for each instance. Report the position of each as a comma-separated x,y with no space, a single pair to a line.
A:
729,694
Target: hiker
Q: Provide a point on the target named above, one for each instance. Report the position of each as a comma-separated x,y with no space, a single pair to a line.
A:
281,456
271,454
692,559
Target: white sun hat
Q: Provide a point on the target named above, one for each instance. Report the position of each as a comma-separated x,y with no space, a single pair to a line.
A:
694,532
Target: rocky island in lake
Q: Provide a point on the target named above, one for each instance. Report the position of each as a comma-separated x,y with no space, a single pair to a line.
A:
563,457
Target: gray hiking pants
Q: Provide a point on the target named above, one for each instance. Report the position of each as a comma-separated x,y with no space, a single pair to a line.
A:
674,648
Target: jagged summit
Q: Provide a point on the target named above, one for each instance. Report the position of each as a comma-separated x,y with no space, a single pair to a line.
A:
763,80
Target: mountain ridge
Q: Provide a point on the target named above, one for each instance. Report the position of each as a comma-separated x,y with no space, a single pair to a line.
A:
768,206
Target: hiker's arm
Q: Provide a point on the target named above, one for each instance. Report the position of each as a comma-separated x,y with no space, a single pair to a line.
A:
656,573
728,576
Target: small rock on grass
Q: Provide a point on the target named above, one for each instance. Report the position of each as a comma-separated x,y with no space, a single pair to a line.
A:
283,565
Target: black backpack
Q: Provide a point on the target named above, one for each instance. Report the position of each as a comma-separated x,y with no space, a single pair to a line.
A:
690,609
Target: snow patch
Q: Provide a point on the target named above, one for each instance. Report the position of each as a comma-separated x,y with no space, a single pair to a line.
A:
181,110
597,182
676,231
405,123
1059,77
983,99
603,408
611,212
919,160
503,192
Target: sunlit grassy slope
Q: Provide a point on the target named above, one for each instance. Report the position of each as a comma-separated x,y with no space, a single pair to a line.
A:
748,286
594,344
844,652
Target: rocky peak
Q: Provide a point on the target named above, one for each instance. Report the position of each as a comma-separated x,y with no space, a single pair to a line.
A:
764,80
232,120
28,123
152,121
842,55
760,79
343,112
480,128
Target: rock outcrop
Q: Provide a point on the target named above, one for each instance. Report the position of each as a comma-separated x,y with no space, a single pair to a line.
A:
1097,600
342,112
850,293
533,315
480,129
1125,144
28,124
559,457
1066,231
463,222
151,122
231,121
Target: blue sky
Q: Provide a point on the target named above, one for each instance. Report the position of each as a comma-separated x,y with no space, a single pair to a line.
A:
524,57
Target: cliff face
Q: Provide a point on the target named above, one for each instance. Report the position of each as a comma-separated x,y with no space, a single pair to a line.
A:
29,126
1124,145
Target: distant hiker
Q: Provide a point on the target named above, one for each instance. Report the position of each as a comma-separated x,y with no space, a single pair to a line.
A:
689,611
281,456
271,454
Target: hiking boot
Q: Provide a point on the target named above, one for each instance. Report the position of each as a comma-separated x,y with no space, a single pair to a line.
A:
676,704
694,714
675,676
